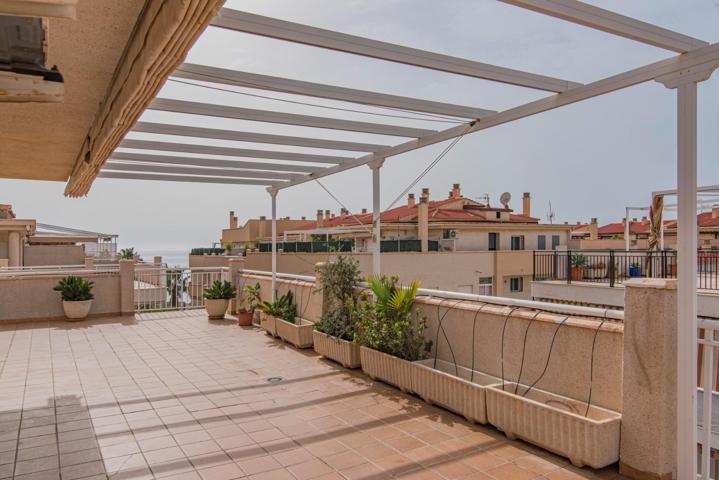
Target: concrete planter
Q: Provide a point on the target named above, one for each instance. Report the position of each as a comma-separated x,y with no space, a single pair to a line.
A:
457,389
75,311
341,351
298,334
387,368
269,324
216,308
557,424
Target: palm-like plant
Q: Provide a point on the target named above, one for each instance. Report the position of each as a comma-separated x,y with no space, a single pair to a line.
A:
128,253
283,307
220,290
74,289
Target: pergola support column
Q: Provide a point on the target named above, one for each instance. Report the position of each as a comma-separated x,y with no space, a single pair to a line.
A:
376,217
273,195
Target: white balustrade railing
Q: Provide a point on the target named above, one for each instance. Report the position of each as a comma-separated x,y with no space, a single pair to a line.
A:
159,288
707,433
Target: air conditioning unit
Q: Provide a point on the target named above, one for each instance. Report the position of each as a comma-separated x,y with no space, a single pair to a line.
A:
452,233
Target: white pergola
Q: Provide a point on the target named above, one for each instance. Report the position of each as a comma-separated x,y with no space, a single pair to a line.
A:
695,61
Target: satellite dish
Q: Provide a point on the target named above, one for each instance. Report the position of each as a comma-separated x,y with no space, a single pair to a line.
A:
505,198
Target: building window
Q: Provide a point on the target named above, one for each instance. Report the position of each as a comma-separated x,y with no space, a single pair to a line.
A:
516,284
493,241
555,242
498,215
517,242
485,286
541,242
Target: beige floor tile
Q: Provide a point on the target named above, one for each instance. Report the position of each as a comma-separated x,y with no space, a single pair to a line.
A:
226,471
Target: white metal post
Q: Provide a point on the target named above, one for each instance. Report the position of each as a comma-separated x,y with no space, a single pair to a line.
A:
376,215
686,282
626,229
273,194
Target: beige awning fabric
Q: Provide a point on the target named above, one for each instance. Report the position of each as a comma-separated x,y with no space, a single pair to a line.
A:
39,8
166,31
656,214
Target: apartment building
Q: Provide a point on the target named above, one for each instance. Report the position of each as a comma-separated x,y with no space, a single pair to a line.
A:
255,230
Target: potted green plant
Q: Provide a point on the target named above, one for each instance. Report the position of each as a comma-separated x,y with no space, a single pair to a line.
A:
281,307
249,302
217,298
334,332
228,248
578,262
390,331
76,296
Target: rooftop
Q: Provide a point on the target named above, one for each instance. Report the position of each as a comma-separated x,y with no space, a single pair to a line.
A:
171,395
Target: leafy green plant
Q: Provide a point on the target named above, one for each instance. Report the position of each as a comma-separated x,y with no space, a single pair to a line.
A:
228,247
251,298
339,280
578,260
128,253
283,307
207,251
389,322
74,289
220,290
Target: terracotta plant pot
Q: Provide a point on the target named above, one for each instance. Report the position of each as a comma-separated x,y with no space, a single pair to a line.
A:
577,273
269,324
216,308
387,368
556,423
75,311
298,334
341,351
457,389
244,319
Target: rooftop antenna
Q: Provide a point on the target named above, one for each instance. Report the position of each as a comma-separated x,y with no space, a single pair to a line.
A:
484,198
551,214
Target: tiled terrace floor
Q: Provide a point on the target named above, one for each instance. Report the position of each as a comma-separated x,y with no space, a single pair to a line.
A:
177,397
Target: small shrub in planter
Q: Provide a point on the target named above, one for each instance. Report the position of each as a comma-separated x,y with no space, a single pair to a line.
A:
248,305
76,296
281,308
288,326
217,298
334,332
578,262
391,331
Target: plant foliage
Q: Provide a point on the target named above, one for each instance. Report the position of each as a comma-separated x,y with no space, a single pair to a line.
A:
340,280
578,260
75,289
389,322
220,290
251,298
283,307
128,253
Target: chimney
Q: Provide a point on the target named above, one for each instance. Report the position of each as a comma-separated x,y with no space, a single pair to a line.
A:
344,211
423,222
327,215
527,204
233,220
624,221
456,192
715,211
593,229
304,218
320,220
364,210
410,200
425,193
262,217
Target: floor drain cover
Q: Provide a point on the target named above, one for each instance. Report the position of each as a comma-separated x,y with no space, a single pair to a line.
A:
274,379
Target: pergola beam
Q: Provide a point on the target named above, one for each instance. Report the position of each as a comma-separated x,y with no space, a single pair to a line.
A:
699,58
186,170
285,85
252,137
212,162
611,22
318,37
238,113
184,178
230,151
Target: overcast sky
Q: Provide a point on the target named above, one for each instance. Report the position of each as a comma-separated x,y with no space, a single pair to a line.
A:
589,159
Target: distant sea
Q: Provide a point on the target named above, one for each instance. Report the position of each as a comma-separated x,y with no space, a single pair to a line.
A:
173,258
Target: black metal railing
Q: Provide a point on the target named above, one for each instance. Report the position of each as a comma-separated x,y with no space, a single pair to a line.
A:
605,266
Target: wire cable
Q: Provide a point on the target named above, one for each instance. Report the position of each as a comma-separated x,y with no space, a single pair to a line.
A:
501,352
368,230
591,365
437,118
524,348
440,327
549,356
474,327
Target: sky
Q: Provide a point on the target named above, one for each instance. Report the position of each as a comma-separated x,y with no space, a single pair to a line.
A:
589,159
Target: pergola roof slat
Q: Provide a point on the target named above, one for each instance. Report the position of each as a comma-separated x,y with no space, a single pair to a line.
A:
252,137
188,170
238,113
184,178
285,85
319,37
230,151
611,22
212,162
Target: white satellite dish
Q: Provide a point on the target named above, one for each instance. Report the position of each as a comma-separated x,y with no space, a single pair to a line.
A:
505,198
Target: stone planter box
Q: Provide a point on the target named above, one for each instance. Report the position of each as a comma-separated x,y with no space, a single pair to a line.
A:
387,368
557,424
76,310
457,389
341,351
268,324
298,334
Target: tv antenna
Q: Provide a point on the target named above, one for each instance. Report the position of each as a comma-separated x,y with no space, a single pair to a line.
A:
551,214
